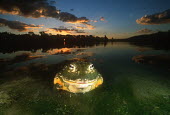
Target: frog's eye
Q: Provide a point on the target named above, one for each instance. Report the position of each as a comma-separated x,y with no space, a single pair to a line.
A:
91,67
72,68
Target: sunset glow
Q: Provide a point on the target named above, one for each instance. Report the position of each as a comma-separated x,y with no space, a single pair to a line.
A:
99,18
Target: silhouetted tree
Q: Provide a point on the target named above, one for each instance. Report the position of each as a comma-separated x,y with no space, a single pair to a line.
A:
31,33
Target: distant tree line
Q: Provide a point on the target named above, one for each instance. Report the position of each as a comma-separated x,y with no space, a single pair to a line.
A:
31,42
159,40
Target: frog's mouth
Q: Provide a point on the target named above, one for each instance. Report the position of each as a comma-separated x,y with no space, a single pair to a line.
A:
78,85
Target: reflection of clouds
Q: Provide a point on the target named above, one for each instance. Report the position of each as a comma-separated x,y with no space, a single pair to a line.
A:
153,59
89,54
143,49
138,59
65,51
25,57
21,58
60,51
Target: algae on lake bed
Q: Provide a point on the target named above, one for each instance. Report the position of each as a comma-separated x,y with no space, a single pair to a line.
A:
131,95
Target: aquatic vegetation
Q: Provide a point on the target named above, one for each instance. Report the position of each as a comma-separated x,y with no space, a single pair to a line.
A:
17,95
4,98
152,96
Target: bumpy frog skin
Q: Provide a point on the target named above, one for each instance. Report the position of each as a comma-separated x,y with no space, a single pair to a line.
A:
78,76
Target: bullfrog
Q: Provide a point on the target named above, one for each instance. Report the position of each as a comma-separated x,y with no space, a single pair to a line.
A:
78,76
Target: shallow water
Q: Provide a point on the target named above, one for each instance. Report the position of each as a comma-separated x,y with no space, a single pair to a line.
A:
128,87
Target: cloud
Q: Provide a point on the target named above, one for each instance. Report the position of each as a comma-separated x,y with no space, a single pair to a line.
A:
80,27
19,26
64,30
89,26
94,21
102,19
143,31
28,8
37,9
80,31
155,19
52,2
72,9
84,21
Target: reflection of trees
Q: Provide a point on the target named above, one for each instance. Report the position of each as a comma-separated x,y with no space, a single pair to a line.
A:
32,42
159,40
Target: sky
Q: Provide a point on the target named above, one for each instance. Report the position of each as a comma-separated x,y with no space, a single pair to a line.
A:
113,18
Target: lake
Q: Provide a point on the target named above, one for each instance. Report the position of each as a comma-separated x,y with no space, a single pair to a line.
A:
129,87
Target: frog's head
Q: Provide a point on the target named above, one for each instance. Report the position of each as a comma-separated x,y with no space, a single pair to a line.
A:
78,76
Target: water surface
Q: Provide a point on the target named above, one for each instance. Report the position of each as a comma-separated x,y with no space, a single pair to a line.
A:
128,87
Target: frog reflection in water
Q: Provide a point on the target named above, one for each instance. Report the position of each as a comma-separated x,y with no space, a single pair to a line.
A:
79,76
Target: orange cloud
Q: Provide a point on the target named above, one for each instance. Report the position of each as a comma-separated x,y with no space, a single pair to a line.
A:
37,9
94,21
84,22
79,21
155,19
64,30
90,27
102,19
80,27
40,8
53,31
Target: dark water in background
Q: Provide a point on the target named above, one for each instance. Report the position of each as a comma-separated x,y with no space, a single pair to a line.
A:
128,87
